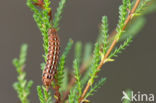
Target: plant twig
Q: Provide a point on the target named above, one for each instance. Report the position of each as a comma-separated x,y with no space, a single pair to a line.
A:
57,93
127,20
41,4
111,48
72,82
22,86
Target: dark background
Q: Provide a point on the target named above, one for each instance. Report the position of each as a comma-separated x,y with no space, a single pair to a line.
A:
135,68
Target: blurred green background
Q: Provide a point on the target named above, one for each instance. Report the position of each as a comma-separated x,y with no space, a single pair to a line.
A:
135,68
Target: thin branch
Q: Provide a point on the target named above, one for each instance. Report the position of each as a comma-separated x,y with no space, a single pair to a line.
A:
83,68
111,48
72,82
127,20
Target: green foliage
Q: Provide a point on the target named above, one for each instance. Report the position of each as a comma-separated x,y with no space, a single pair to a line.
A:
61,66
104,32
121,47
87,53
97,85
90,62
22,86
85,78
43,66
77,76
139,22
19,63
78,52
73,98
143,5
47,5
77,89
122,17
47,95
65,78
44,96
151,8
41,18
86,61
93,68
40,94
58,14
134,28
129,5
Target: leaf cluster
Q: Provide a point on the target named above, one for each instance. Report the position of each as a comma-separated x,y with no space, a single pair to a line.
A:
22,86
44,96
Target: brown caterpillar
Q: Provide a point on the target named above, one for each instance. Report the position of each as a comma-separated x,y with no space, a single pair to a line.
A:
52,57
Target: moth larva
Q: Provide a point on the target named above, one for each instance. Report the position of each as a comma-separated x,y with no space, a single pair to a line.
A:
52,57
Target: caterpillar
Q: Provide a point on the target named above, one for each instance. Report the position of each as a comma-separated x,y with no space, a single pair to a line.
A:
52,57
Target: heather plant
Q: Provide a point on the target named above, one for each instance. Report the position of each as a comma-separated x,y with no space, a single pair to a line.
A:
88,59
